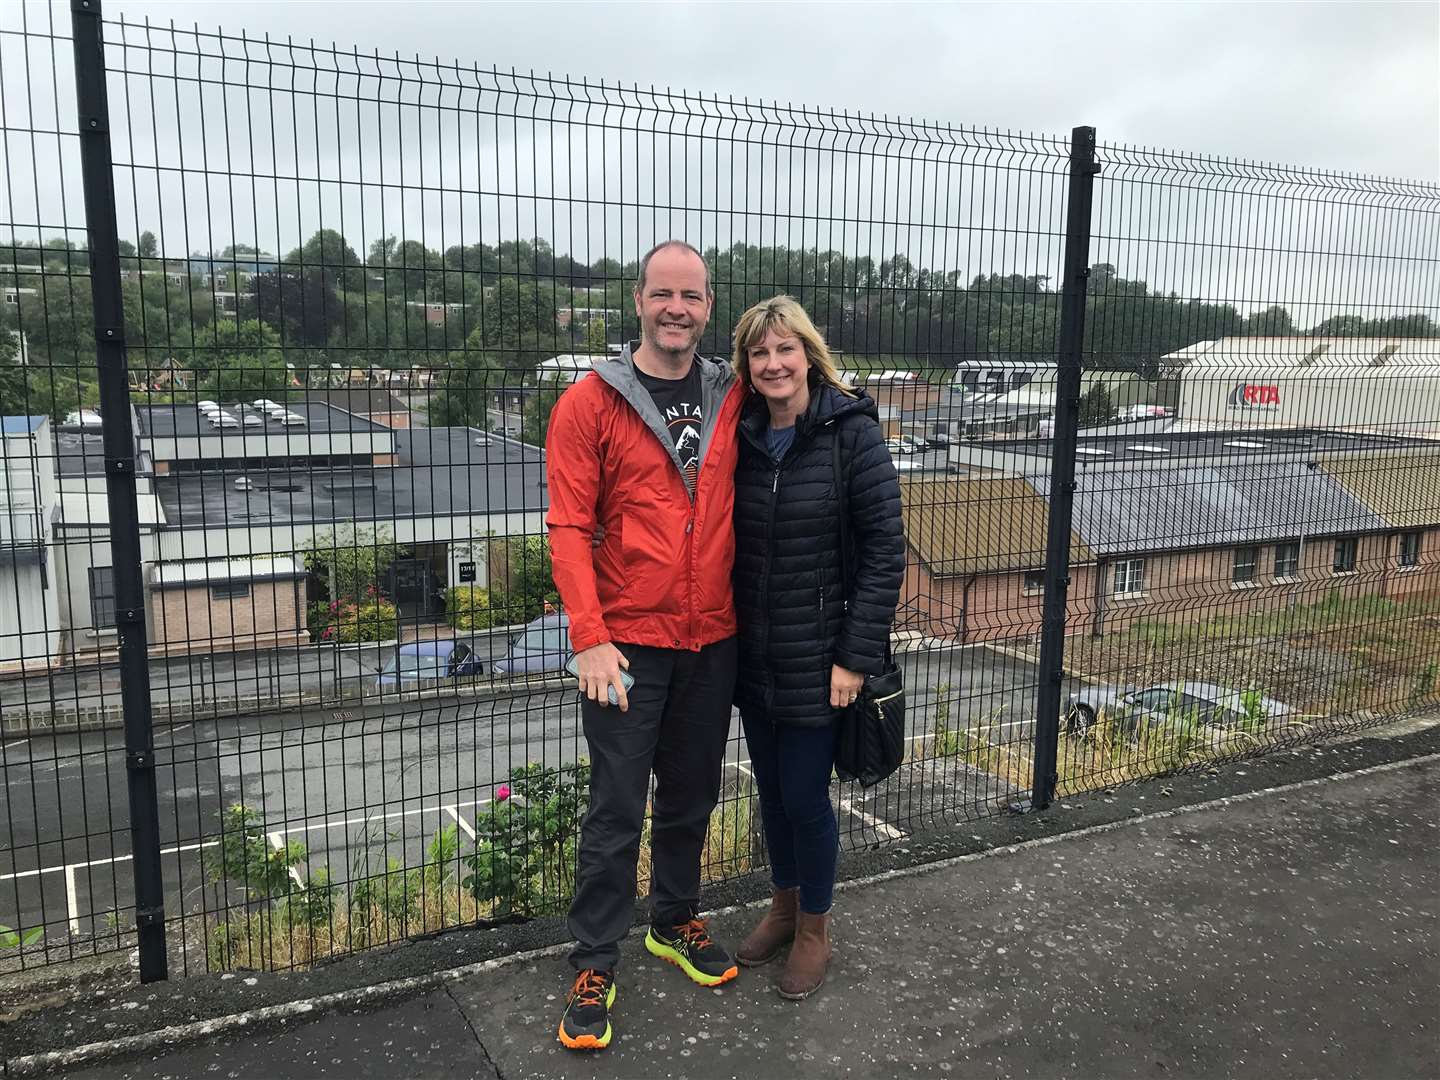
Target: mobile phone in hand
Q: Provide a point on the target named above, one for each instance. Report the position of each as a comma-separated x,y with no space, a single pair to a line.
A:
626,679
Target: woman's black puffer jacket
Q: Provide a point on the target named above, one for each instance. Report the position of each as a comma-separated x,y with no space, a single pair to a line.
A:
789,593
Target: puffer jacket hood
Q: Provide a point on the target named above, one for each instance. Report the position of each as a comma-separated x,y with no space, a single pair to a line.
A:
827,405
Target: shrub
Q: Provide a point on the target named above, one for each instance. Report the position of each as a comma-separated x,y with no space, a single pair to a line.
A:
469,607
524,861
375,619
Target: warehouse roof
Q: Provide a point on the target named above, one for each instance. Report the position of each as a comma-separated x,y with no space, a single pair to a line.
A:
977,525
1404,489
1212,506
1382,355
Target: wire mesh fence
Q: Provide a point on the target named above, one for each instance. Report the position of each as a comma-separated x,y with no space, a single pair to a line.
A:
353,288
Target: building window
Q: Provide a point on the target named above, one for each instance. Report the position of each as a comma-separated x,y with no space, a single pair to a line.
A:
1346,549
1287,560
230,590
1409,550
1130,577
1034,582
102,596
1245,565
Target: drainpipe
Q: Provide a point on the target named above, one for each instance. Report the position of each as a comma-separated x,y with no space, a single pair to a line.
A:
1097,621
965,608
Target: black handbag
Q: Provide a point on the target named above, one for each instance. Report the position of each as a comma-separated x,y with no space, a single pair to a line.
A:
870,743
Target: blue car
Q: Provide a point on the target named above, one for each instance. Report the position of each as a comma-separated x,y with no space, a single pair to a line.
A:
426,663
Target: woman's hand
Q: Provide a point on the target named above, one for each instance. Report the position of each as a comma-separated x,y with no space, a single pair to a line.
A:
844,686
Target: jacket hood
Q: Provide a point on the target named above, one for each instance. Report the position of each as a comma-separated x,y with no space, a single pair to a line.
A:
619,371
827,405
716,378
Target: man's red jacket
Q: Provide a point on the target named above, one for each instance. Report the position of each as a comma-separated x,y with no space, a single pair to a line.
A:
661,575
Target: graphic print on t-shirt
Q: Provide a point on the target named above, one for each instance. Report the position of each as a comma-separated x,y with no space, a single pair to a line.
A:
683,421
678,402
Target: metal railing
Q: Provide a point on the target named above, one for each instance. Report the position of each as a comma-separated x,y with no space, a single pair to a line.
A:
275,683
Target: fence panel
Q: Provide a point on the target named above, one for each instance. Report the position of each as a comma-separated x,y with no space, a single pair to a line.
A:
354,286
1260,565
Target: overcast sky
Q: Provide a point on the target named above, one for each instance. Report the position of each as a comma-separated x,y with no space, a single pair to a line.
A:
1351,86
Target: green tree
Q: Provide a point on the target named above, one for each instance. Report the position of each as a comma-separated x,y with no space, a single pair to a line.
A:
245,361
15,396
1274,321
147,245
464,387
596,341
350,560
1096,406
328,254
535,421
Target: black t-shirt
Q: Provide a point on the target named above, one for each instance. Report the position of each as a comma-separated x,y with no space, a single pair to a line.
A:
679,403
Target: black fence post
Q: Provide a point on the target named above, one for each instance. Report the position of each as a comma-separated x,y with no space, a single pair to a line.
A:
1062,466
120,462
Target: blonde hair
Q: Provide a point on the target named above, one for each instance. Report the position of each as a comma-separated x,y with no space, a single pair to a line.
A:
784,315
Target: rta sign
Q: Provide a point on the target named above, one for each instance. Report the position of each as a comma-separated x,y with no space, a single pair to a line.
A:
1254,396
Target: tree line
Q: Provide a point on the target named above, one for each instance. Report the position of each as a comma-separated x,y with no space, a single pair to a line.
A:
479,316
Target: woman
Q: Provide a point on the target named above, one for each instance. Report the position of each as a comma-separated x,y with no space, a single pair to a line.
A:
808,637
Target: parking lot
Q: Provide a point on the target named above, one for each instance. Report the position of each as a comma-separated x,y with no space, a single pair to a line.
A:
362,787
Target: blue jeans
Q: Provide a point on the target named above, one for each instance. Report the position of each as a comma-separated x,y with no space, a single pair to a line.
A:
792,767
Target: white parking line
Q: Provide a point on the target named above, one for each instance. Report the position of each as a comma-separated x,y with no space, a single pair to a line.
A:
273,836
886,830
453,812
72,902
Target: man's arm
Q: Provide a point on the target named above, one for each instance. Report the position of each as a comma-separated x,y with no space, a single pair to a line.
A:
572,472
572,468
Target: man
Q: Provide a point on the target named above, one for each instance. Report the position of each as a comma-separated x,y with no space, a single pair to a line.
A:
642,453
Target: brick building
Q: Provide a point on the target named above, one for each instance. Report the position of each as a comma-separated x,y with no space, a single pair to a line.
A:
1223,524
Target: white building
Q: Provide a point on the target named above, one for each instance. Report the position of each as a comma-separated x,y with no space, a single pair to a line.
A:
1384,385
29,611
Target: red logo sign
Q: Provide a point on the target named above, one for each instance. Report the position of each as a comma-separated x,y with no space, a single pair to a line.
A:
1254,396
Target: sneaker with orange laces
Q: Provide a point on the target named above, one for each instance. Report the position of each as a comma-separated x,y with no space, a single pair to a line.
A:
586,1023
690,948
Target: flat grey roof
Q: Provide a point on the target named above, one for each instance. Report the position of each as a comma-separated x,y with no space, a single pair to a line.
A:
186,421
441,472
79,453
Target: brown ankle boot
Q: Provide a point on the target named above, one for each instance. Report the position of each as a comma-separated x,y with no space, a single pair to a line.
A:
773,932
809,957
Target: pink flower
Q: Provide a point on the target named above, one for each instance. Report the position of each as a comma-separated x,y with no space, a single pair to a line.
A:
502,792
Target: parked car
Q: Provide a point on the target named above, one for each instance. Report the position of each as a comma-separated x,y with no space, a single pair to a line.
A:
903,444
1163,703
427,663
542,647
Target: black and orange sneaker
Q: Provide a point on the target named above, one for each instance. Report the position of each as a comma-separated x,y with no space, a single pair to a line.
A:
586,1023
690,948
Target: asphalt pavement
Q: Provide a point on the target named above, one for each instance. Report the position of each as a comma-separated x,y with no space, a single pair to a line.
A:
361,785
1281,931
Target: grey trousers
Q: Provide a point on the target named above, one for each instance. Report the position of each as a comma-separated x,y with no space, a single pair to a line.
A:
677,725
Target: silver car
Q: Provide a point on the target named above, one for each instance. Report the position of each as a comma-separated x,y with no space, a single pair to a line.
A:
541,648
1205,703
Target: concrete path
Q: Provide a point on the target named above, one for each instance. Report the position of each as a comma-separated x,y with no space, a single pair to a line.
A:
1283,933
